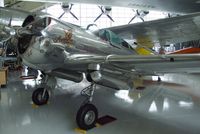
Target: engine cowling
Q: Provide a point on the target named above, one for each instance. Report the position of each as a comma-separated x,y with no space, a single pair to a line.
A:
16,18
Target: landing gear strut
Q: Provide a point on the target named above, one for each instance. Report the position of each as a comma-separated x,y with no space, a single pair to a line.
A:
41,95
87,115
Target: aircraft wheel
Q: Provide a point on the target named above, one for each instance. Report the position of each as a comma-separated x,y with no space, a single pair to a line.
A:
87,116
38,98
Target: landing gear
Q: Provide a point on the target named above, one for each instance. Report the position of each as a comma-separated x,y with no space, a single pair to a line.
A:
87,115
40,96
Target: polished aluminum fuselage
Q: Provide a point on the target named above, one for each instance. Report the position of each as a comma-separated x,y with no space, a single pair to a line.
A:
53,49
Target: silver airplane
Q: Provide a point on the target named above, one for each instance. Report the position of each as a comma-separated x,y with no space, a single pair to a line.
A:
64,50
178,6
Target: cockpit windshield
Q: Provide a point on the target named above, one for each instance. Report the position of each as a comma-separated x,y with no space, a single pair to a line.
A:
114,39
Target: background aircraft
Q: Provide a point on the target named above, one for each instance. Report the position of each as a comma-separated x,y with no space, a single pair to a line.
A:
67,9
105,11
64,50
179,6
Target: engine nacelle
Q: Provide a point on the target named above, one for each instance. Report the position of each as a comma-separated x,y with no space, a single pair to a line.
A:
109,80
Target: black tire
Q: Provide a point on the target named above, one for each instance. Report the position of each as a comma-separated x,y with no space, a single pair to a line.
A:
89,112
37,97
159,79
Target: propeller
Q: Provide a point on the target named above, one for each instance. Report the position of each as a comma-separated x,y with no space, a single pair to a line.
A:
106,11
139,14
67,9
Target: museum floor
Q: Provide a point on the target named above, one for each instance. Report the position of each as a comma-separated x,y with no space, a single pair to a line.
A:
159,108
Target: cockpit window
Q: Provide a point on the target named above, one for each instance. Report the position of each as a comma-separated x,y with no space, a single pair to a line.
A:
114,40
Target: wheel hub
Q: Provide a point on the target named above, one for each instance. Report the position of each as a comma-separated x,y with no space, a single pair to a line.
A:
89,117
41,97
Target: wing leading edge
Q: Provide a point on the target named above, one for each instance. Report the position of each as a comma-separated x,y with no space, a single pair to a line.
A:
164,32
145,65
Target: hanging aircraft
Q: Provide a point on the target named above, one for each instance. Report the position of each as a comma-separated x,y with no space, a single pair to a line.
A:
64,50
106,11
67,9
139,14
178,6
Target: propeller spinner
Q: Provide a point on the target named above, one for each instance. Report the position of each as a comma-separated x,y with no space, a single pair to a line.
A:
106,11
67,9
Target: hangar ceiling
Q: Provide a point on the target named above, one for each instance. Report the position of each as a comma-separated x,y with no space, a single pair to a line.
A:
27,6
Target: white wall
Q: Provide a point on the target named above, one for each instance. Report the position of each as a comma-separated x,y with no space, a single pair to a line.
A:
1,3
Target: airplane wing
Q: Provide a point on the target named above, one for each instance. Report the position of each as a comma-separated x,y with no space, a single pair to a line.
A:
145,65
164,31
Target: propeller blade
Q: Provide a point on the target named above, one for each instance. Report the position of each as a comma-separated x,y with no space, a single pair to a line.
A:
73,15
98,17
110,18
142,19
132,19
137,12
101,7
71,7
61,15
